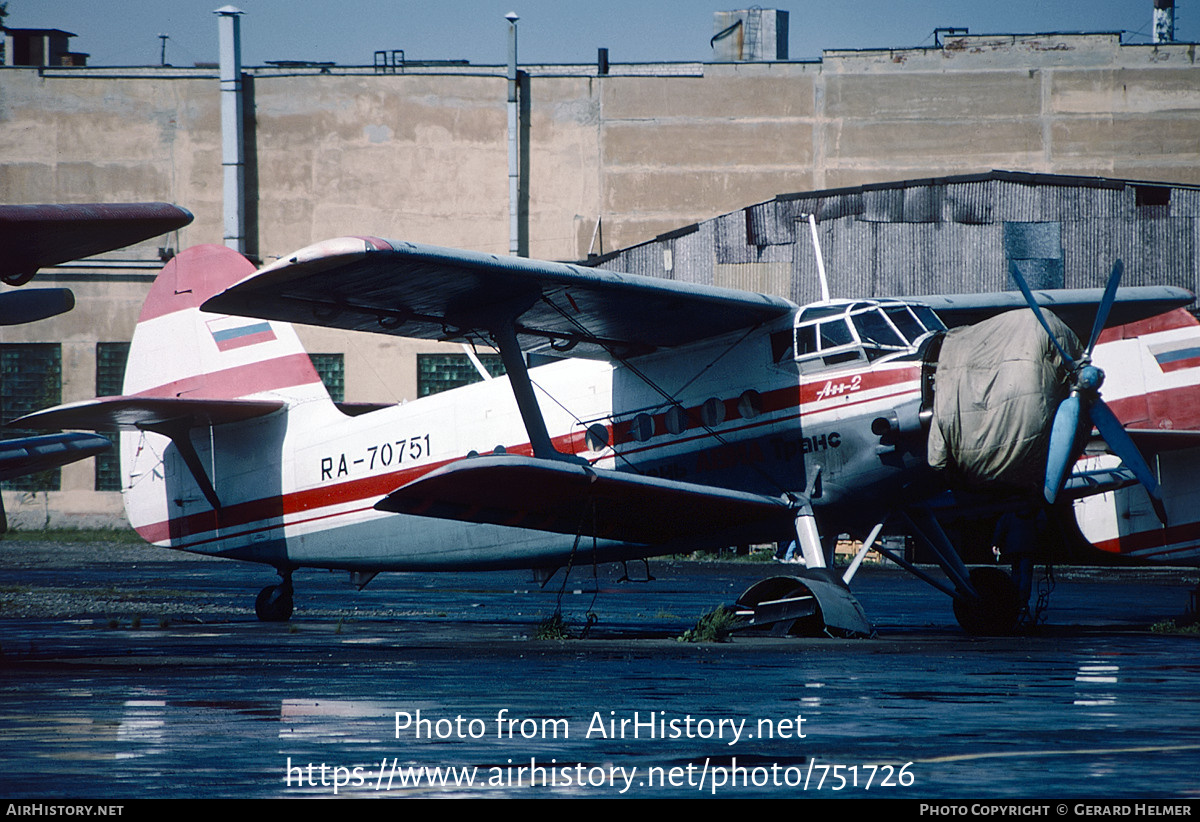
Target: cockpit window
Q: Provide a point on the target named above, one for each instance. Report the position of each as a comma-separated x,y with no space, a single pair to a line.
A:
875,330
930,320
840,333
834,334
903,319
806,340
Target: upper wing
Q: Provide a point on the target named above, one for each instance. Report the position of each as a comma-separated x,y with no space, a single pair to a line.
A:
35,236
1074,306
427,292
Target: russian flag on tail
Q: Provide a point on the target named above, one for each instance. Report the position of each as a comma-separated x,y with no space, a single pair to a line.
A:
238,332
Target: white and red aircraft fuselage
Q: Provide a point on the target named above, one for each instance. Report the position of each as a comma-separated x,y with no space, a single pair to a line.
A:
690,416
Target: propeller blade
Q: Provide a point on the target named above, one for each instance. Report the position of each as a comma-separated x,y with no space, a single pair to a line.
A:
1063,451
1120,443
1110,296
1037,311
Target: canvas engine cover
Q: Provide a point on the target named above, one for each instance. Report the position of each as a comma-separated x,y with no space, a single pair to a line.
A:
998,385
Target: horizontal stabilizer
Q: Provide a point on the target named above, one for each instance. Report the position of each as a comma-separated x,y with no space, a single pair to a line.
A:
1074,306
1152,440
427,292
1082,484
28,455
567,498
146,413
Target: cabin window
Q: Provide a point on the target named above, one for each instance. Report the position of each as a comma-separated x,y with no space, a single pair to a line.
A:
712,413
750,404
675,419
781,346
642,427
597,437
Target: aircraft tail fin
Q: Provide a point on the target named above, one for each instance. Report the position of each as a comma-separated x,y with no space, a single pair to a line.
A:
180,351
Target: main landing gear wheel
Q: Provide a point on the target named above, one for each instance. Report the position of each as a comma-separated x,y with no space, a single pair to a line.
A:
998,608
274,603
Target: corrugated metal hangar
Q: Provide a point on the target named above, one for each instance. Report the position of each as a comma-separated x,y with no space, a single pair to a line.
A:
938,236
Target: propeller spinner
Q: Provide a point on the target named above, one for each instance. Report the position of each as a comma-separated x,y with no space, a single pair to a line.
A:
1083,407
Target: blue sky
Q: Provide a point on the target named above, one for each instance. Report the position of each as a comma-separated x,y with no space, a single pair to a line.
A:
125,32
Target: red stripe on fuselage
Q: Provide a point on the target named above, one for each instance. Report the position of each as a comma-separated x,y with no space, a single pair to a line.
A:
363,489
374,487
1149,540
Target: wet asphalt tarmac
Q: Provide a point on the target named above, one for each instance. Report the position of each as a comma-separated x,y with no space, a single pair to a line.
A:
130,673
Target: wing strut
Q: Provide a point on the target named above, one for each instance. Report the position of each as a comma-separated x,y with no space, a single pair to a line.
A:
505,335
179,433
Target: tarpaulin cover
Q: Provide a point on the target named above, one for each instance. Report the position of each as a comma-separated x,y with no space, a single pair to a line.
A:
998,385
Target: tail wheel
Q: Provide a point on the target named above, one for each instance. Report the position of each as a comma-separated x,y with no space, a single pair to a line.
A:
998,608
274,603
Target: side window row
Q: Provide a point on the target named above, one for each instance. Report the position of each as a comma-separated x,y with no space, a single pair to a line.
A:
676,419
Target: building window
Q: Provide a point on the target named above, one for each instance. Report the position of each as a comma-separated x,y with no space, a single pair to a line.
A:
30,380
332,370
1153,202
1152,195
441,372
110,382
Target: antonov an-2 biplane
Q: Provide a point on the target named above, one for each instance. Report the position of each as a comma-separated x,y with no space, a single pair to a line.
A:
679,416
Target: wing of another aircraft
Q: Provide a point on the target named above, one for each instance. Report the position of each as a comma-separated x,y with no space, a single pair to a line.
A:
1074,306
33,304
567,498
29,455
35,236
427,292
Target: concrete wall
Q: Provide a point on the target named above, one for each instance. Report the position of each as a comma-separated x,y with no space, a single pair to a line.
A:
612,160
644,149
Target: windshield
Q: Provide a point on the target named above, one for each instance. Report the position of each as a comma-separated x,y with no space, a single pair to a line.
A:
843,333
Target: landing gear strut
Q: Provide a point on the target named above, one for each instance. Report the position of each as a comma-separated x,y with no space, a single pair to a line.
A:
274,603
